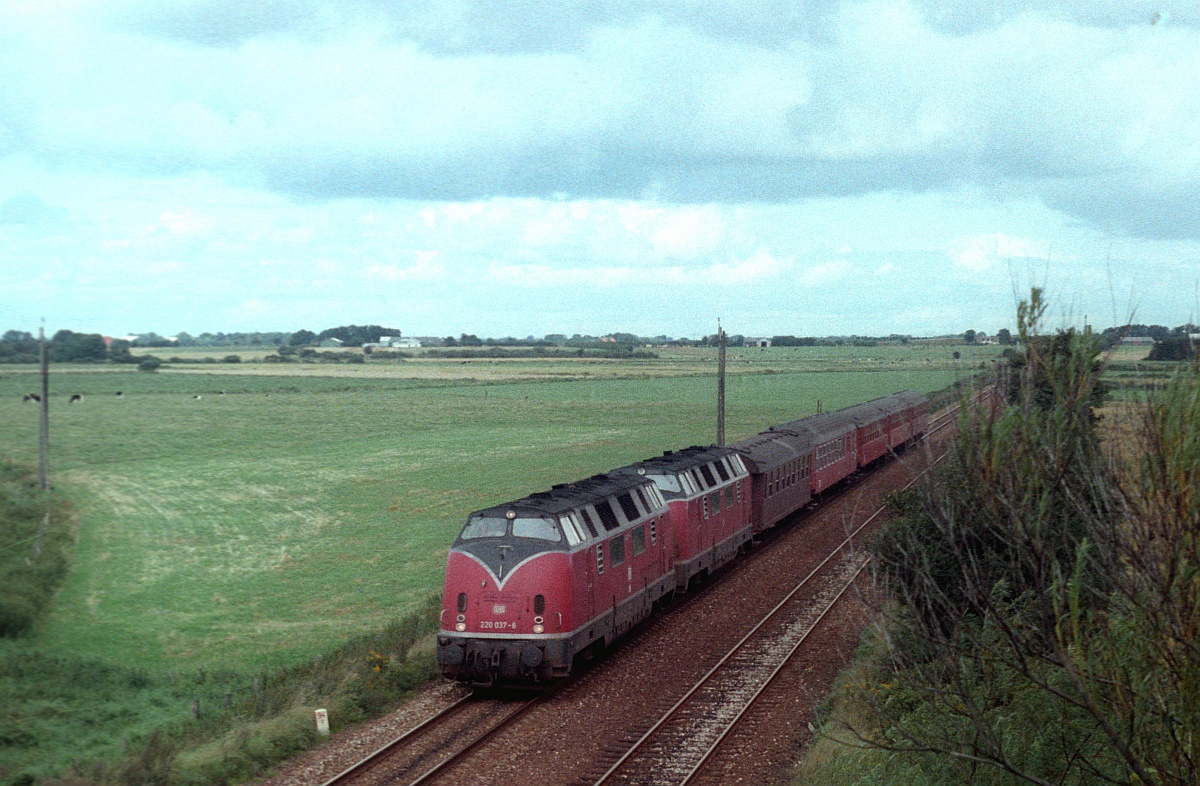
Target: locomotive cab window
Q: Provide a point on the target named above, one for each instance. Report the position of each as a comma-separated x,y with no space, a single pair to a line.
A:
538,528
668,483
485,527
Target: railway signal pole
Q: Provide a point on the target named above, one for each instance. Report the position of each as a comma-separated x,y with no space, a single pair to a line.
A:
720,384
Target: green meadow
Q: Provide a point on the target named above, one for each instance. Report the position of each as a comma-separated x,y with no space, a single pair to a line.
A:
308,503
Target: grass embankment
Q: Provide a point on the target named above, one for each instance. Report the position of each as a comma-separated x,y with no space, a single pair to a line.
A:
71,720
248,532
37,536
1044,616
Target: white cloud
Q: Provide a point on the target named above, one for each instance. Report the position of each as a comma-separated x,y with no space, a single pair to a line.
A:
978,253
825,273
427,267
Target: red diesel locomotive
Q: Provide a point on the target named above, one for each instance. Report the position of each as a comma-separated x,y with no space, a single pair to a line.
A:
533,583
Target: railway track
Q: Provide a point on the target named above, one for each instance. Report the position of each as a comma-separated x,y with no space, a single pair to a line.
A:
422,753
678,745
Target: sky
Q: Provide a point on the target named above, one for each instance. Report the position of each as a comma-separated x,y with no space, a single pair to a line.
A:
803,167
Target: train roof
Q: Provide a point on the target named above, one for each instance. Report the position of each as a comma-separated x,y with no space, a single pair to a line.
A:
770,449
910,398
673,461
821,427
564,497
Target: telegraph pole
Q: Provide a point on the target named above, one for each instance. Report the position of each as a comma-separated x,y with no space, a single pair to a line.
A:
44,420
720,384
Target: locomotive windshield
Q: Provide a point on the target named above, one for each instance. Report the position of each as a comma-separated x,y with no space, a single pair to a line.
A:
668,483
497,527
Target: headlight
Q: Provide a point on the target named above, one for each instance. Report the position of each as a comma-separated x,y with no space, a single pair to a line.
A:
460,626
539,628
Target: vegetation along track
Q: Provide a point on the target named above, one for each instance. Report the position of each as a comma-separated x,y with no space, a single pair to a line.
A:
452,737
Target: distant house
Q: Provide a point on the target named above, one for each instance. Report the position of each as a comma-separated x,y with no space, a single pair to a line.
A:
1137,341
332,342
759,342
399,342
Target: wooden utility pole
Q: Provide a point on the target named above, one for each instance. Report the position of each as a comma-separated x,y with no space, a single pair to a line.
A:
44,420
720,384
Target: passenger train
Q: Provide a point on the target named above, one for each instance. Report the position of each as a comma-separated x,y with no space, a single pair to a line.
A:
533,583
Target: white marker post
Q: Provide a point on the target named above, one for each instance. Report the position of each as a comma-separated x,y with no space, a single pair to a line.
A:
322,722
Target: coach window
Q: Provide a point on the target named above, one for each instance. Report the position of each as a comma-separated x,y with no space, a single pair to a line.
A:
542,529
638,535
616,550
589,521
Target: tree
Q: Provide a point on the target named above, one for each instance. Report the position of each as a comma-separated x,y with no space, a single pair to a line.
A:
1004,336
969,337
302,338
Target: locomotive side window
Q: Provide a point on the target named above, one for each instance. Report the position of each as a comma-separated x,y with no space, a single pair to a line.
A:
709,480
646,506
587,519
616,550
697,479
659,501
571,530
485,527
607,517
542,529
720,467
716,501
630,510
729,496
638,536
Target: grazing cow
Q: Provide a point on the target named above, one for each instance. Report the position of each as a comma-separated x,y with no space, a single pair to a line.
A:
120,394
76,399
32,397
197,397
222,392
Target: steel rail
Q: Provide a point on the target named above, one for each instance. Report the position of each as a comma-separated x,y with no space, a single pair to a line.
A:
479,740
770,679
362,764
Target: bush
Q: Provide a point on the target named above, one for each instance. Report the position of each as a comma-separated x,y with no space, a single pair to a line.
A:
149,363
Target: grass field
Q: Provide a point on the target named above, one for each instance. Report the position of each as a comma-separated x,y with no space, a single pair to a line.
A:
310,502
